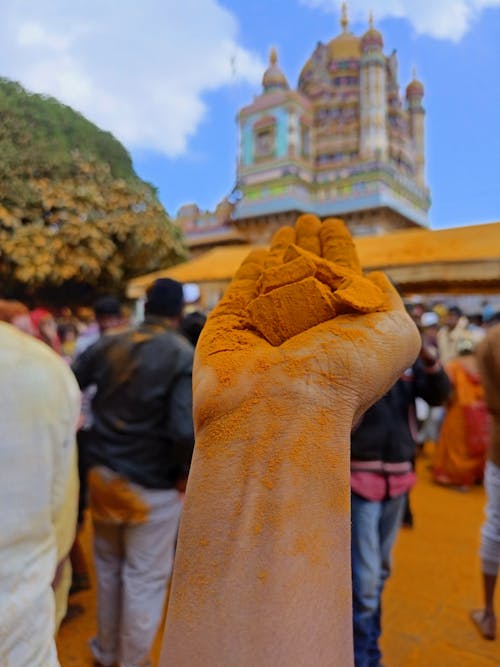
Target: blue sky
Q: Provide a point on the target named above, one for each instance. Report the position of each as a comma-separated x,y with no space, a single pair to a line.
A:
168,78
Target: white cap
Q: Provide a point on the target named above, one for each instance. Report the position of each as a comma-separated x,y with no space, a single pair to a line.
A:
191,292
429,319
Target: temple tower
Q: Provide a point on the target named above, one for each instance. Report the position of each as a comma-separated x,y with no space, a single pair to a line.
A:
275,142
373,97
416,113
343,142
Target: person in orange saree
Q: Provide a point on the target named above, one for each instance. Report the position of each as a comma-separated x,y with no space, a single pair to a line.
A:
460,454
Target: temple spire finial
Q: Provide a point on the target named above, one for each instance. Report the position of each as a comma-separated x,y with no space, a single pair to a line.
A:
273,56
414,72
344,21
370,20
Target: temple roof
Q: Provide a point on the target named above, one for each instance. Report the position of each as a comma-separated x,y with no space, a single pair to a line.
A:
456,259
273,76
342,48
346,46
415,88
372,37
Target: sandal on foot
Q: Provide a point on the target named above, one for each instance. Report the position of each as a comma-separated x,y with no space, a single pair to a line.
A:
485,624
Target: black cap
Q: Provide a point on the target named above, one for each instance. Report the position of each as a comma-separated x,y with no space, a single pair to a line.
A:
164,298
107,305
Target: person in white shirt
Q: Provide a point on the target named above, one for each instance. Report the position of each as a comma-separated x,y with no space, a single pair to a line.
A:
39,408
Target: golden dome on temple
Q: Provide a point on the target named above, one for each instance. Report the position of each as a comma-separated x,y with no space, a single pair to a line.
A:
346,46
273,76
372,37
415,88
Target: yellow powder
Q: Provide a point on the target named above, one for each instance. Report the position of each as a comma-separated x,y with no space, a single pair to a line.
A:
285,274
291,309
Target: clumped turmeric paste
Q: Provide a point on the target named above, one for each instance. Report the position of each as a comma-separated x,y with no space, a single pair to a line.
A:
304,290
288,310
300,345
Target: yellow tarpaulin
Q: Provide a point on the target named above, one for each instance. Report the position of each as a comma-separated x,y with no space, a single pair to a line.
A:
413,258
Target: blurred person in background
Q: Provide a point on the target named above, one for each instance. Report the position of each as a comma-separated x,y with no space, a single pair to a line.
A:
416,307
39,406
17,314
430,426
46,328
382,474
488,356
107,315
68,334
139,450
455,324
429,329
460,454
192,325
108,318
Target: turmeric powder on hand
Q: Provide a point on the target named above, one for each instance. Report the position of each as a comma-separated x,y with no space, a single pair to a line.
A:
300,345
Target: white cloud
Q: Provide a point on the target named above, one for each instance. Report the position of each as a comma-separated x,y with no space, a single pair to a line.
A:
442,19
137,69
33,34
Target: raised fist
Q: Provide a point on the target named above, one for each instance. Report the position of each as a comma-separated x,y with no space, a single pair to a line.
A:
299,347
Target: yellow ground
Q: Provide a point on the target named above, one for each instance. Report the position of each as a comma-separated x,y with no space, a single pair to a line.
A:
435,583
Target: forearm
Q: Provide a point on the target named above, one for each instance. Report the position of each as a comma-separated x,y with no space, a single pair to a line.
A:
265,531
301,345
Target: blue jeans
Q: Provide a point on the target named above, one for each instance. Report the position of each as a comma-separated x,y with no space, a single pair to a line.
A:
375,525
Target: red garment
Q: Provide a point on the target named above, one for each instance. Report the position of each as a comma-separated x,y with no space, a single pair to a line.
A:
38,317
376,486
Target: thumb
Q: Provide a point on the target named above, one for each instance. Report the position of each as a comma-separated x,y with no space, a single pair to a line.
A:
392,300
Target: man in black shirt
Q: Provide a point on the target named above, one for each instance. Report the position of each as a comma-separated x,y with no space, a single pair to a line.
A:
139,450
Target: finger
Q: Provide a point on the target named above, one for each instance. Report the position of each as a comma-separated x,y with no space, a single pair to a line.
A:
357,293
252,266
337,244
307,230
226,328
392,300
330,274
243,287
351,290
286,274
280,242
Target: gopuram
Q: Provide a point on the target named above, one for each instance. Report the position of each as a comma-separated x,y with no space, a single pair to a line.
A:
344,143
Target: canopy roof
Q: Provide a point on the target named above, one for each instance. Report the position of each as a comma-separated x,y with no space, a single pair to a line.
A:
457,260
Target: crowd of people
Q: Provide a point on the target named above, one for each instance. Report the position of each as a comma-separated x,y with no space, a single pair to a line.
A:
458,430
125,389
131,471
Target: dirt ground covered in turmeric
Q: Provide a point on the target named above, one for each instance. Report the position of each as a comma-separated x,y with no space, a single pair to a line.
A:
435,583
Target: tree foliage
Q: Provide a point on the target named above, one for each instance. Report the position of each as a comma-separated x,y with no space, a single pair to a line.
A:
72,210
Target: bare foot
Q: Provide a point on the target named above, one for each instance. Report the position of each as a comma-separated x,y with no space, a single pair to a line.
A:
485,623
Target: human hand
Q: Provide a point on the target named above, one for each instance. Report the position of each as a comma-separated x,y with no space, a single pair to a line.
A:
299,347
304,306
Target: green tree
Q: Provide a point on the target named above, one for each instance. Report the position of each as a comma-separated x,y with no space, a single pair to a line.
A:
74,216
